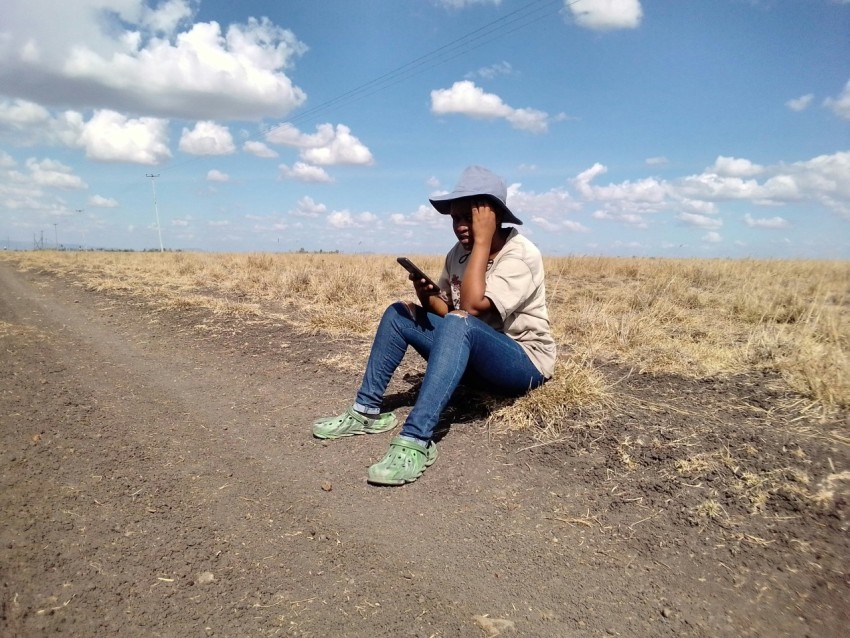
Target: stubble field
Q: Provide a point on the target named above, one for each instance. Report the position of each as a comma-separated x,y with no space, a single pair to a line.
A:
696,431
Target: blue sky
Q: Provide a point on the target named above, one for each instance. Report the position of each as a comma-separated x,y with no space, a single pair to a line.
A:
705,128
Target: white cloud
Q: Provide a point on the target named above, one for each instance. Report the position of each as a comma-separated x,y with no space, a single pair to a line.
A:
207,138
605,15
735,167
341,219
700,221
425,215
345,219
840,105
21,114
329,146
712,238
215,175
565,224
465,98
492,71
657,161
52,174
122,55
801,103
167,16
647,190
112,137
305,173
765,222
259,149
629,219
461,4
695,199
306,207
98,201
6,160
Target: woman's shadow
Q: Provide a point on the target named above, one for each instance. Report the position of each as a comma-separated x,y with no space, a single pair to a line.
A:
468,404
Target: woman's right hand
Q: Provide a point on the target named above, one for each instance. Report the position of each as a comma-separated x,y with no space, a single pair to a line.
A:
423,288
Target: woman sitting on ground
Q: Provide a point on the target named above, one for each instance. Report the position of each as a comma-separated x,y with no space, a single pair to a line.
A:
487,321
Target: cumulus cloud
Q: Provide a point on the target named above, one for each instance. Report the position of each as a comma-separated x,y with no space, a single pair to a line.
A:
6,160
800,103
492,71
425,215
123,55
329,146
19,114
840,105
765,222
259,149
302,172
712,237
700,221
461,4
465,98
605,15
735,167
647,190
111,137
98,201
215,175
53,174
694,199
341,219
565,224
306,207
207,138
346,219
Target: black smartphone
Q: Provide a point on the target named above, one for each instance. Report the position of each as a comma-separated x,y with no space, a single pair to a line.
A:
413,269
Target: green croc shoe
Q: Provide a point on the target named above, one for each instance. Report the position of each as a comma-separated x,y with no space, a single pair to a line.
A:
350,423
404,462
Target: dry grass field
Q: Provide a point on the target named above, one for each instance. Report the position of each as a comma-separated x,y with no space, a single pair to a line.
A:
696,318
695,435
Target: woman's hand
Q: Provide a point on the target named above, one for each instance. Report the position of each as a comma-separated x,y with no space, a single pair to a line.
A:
429,296
422,287
483,223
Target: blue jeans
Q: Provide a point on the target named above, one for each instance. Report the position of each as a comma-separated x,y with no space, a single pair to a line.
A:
453,345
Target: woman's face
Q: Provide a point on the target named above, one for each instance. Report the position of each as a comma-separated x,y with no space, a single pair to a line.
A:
461,213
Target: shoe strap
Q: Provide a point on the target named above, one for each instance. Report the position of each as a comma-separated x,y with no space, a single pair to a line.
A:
411,445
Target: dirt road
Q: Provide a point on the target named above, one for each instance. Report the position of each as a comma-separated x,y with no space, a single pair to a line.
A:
158,478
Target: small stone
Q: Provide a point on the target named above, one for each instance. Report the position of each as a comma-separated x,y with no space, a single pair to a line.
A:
205,578
666,612
327,486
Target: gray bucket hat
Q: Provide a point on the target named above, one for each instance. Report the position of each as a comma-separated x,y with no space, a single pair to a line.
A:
477,181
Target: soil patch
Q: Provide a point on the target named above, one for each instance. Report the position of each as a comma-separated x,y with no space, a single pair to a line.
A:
158,478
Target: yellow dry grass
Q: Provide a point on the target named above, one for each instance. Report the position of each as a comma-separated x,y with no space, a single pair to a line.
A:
689,317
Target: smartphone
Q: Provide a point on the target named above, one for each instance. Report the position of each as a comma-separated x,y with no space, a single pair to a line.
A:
413,269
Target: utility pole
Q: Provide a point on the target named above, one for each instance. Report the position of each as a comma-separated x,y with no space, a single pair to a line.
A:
56,234
82,230
156,209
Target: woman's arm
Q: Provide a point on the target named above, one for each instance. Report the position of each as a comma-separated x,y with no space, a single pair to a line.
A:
472,299
429,297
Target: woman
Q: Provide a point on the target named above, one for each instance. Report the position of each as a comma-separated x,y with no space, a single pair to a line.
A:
487,320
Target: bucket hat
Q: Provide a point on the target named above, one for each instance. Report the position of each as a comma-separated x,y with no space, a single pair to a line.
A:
477,181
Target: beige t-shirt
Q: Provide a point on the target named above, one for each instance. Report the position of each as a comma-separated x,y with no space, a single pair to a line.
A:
514,285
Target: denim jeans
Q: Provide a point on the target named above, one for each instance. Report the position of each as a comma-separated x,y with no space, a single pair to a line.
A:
453,345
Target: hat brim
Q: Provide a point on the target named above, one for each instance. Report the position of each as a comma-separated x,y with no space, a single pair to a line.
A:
443,204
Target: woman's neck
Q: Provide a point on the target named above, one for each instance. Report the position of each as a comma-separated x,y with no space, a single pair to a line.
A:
500,238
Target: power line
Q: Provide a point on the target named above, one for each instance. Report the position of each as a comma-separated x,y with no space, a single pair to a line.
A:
518,19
